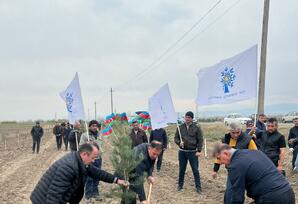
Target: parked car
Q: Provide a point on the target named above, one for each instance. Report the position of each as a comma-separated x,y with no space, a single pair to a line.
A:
236,118
289,117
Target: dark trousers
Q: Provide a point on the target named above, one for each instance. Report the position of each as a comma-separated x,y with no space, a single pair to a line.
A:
228,193
59,141
159,161
36,143
65,140
91,185
278,197
295,152
184,157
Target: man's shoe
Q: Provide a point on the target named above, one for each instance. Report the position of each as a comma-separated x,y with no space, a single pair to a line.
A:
158,170
179,188
199,190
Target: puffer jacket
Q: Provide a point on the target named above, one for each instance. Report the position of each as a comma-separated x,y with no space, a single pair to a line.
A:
64,181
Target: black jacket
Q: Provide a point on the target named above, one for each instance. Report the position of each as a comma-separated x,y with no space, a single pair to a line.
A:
271,144
252,171
138,138
293,134
58,130
36,132
260,126
72,139
145,166
64,181
159,135
192,138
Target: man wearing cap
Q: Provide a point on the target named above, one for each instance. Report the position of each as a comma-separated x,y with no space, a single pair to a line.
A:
36,133
189,149
91,187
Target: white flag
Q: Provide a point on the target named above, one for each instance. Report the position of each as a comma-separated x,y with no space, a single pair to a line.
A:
161,108
73,99
231,80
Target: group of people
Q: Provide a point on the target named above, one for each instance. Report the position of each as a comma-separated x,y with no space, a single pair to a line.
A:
261,173
253,158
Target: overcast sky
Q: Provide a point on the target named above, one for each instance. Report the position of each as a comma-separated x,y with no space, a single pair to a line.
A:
109,42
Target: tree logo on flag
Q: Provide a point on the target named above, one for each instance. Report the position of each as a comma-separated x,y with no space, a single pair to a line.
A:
69,101
228,77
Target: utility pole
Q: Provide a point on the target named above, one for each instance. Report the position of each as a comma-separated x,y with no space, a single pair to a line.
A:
111,100
261,94
95,116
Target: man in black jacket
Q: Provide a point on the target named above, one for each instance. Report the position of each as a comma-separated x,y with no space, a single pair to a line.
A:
150,153
189,149
293,141
58,131
252,171
273,143
137,135
74,136
36,133
64,181
66,132
161,136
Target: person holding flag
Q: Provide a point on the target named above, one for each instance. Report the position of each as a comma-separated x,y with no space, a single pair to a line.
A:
189,149
74,137
91,185
137,135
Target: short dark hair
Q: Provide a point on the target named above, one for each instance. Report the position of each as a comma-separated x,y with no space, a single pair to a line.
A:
86,147
156,145
262,115
219,147
272,120
295,118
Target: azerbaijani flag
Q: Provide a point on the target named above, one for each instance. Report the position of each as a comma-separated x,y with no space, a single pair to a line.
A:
123,117
147,126
143,114
111,116
107,131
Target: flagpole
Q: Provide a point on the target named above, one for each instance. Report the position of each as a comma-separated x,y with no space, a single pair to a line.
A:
87,130
76,134
179,132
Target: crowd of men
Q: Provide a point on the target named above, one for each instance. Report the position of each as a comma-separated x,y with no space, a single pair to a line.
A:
254,160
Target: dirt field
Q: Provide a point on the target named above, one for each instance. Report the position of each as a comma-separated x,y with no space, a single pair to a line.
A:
20,170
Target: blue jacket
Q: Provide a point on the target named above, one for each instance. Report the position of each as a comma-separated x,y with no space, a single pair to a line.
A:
251,170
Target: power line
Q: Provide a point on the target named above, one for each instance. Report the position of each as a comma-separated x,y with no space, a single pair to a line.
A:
192,39
174,44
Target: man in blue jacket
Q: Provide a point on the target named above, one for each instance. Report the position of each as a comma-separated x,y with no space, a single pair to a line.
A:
253,171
